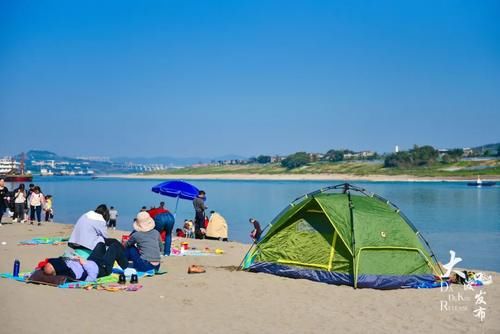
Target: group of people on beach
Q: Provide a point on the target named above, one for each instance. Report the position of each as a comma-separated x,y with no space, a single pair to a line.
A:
92,253
21,204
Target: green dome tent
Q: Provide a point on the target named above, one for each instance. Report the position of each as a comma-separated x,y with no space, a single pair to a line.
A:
345,235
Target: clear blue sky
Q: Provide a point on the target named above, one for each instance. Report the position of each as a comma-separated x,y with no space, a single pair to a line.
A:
206,78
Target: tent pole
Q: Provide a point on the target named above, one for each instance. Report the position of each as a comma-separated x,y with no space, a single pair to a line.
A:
354,269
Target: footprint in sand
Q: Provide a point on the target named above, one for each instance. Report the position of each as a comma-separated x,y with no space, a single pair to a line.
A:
187,302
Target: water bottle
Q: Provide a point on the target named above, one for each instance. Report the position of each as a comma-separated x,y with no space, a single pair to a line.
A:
17,265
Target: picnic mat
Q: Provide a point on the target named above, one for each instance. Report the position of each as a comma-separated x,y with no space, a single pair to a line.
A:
44,241
106,283
176,251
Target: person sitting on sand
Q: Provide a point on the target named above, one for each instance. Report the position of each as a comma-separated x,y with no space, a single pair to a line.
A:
217,227
180,233
89,230
98,264
144,245
188,228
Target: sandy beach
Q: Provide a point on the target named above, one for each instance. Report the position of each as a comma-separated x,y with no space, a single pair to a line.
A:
296,177
225,301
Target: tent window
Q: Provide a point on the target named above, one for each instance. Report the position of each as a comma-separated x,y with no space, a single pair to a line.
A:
303,226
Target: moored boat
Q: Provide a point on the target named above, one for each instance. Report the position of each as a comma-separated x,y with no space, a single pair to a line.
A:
17,177
481,183
13,171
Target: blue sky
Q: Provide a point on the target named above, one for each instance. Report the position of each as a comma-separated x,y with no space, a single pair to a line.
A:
206,78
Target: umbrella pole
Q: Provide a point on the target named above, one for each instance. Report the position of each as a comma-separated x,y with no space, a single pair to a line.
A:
176,205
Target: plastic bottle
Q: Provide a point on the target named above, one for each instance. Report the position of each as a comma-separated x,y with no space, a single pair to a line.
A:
17,266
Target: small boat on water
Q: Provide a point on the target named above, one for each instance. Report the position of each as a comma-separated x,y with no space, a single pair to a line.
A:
481,183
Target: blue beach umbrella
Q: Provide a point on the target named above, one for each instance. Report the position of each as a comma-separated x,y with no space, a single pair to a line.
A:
177,189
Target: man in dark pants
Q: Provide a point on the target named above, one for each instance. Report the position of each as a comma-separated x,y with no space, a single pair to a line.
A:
105,258
99,263
199,218
257,230
4,193
165,222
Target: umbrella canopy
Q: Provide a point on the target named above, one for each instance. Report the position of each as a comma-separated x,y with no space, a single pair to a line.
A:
176,188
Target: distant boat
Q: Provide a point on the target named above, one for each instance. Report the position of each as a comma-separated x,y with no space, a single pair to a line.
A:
10,173
481,183
46,172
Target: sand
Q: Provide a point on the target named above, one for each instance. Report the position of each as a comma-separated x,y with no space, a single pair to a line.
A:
225,301
298,177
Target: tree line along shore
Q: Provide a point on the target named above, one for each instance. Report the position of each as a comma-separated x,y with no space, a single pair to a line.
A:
424,161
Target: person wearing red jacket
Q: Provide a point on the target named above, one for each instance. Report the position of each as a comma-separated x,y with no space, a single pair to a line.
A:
156,211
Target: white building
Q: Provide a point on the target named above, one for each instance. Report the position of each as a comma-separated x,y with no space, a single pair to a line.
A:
7,164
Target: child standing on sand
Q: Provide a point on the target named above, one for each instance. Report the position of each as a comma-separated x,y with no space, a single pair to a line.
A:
113,216
49,211
20,197
36,201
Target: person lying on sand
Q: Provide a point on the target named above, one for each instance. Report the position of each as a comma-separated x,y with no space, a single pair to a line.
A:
99,263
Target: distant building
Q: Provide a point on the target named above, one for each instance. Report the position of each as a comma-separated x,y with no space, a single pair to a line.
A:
276,159
95,158
358,155
442,151
396,149
316,156
468,151
7,164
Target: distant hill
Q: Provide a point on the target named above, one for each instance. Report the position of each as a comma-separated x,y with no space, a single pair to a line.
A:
172,161
492,148
44,155
41,155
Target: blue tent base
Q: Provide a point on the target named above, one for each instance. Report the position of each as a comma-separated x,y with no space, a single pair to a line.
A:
364,281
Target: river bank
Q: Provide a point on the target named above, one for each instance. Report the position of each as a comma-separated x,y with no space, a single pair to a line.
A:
298,177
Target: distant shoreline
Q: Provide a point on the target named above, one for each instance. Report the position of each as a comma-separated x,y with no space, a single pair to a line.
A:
297,177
